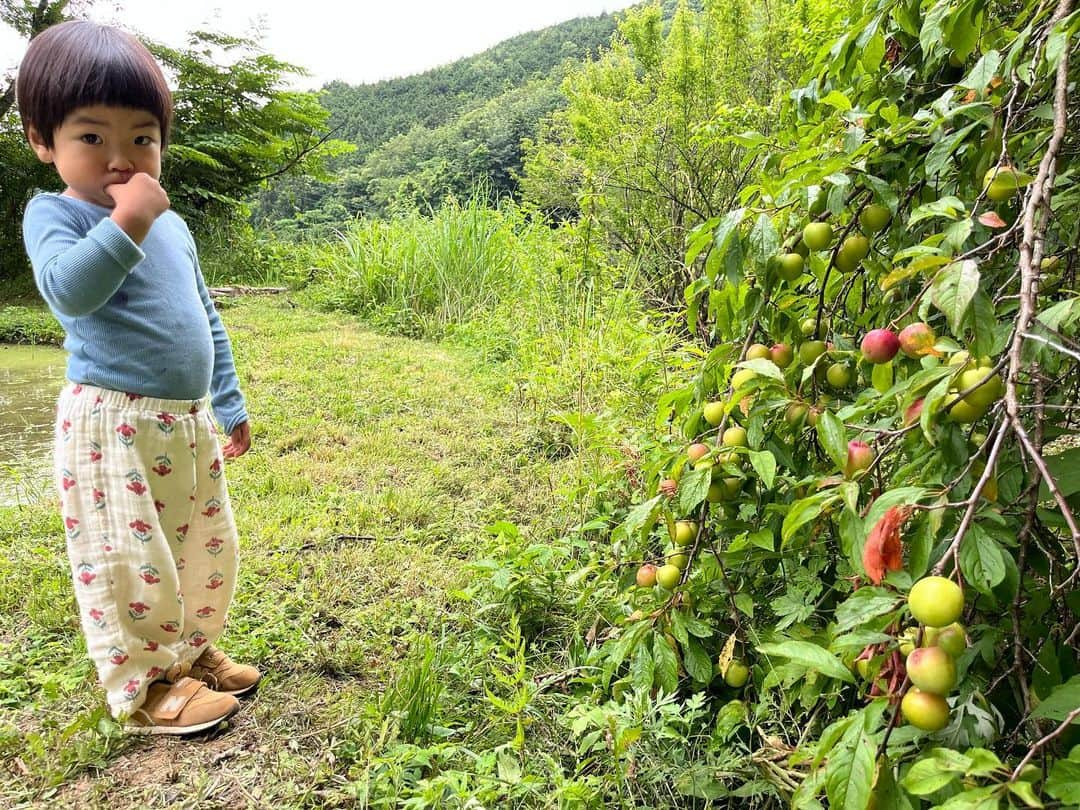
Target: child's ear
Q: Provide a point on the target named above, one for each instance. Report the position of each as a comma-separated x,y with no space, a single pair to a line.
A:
37,143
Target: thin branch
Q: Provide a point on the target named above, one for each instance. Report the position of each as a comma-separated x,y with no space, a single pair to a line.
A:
1057,732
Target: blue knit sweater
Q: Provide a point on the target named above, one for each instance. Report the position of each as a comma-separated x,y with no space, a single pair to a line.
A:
138,318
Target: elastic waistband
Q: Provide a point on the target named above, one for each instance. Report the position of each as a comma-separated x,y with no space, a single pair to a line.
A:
120,400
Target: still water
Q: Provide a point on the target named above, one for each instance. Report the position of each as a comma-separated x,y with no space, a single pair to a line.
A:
30,380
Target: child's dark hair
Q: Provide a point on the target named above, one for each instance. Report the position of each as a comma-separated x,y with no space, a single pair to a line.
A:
80,63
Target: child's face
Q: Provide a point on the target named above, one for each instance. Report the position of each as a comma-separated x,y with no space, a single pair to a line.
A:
97,146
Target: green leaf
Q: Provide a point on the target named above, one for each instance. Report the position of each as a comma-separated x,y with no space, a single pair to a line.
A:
864,604
693,488
810,656
745,603
728,226
697,662
1060,702
641,668
642,516
1026,792
1065,468
838,100
764,241
764,464
932,35
980,560
882,377
700,782
850,771
949,207
953,290
802,512
833,437
937,159
1063,783
1061,314
667,665
927,775
763,368
678,627
983,72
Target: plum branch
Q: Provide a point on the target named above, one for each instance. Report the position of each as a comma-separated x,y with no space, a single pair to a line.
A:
1031,252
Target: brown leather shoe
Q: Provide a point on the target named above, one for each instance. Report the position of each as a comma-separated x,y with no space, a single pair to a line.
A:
222,674
184,707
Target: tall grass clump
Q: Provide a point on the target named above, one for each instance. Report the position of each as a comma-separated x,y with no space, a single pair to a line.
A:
416,275
414,698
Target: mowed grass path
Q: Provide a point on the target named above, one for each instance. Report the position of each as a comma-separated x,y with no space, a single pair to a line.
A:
375,466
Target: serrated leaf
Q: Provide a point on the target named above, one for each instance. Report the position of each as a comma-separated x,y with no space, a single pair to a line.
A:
927,776
693,488
764,464
802,512
983,73
763,368
1063,783
864,604
641,515
641,668
728,226
953,290
810,656
833,438
849,775
764,240
1061,701
666,664
980,560
697,662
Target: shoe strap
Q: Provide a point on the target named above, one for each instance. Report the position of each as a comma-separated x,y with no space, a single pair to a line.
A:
177,671
178,696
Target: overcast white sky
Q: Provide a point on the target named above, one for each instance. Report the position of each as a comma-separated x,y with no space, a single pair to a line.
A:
360,41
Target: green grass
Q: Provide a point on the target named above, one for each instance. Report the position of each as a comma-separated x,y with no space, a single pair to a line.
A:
32,323
377,463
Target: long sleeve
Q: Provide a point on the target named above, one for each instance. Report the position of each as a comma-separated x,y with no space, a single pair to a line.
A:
76,274
225,397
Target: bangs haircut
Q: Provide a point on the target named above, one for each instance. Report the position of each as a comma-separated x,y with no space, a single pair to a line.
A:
79,63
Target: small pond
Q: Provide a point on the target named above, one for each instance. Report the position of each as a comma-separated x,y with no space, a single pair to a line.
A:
30,380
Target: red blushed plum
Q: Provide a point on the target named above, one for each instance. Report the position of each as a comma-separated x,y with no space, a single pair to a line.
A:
859,457
646,575
917,340
880,345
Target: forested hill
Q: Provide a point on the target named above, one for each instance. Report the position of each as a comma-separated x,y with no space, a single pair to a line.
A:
425,137
373,113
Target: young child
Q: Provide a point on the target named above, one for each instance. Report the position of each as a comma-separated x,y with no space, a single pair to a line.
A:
149,529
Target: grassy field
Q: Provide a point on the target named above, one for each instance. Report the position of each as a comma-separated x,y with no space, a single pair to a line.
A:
377,466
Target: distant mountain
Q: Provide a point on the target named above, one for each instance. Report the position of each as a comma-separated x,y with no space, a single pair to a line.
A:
371,114
420,138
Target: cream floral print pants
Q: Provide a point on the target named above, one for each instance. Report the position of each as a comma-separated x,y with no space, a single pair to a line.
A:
150,532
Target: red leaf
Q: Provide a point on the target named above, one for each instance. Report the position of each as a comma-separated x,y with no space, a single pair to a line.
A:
883,550
991,220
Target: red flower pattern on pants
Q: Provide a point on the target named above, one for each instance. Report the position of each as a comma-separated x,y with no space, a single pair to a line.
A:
146,512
